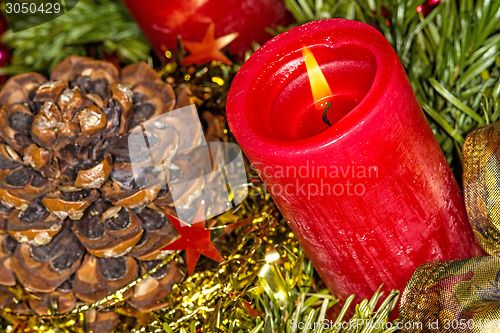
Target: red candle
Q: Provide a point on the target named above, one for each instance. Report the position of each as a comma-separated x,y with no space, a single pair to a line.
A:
371,197
163,20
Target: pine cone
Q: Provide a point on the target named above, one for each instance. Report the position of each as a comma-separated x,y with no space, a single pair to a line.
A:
7,247
63,298
74,224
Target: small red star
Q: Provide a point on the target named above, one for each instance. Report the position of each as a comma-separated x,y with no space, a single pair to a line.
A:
251,311
209,48
195,239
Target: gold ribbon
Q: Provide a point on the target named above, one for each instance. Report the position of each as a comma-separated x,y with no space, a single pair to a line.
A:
464,295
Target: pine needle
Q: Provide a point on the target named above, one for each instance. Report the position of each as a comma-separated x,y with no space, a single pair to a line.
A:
97,28
452,57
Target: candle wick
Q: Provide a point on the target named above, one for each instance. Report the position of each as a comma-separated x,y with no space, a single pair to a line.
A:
325,118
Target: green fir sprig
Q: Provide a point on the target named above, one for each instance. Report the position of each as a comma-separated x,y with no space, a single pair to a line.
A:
451,56
96,28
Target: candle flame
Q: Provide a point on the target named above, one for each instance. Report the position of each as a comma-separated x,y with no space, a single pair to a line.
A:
319,86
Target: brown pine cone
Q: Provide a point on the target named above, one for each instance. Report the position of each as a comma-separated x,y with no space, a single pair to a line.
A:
6,297
101,321
7,247
149,292
157,230
34,225
4,217
44,268
77,222
62,300
108,231
100,277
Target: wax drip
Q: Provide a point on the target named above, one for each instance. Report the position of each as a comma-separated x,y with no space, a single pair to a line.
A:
325,118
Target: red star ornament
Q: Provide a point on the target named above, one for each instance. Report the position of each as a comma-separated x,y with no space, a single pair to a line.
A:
195,239
209,48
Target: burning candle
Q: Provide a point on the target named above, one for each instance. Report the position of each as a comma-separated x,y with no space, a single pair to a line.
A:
326,115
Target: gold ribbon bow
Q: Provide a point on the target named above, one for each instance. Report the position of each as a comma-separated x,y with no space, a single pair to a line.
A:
464,295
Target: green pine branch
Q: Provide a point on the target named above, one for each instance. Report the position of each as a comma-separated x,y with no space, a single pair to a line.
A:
92,28
452,57
367,318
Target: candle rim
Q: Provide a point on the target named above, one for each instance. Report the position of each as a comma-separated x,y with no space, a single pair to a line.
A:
385,57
